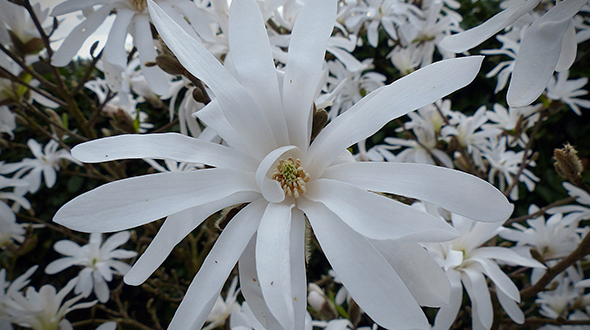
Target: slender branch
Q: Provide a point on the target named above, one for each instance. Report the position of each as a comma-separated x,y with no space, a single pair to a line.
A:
87,74
540,321
36,89
26,68
56,125
541,211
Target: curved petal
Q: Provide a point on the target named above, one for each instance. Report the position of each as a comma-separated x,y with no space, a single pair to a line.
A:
271,189
500,279
173,230
481,302
205,287
448,313
365,273
76,38
237,104
569,48
506,255
58,265
143,40
115,241
298,268
378,217
511,307
452,190
135,201
212,116
539,52
172,146
307,49
254,63
66,247
114,49
273,262
250,287
421,274
413,91
466,40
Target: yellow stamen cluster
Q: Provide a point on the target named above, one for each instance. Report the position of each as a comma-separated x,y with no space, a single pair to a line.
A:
139,5
292,177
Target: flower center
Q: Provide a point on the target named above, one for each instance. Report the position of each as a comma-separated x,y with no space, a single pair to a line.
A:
139,5
292,177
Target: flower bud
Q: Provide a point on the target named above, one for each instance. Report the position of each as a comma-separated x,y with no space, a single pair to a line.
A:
567,164
170,65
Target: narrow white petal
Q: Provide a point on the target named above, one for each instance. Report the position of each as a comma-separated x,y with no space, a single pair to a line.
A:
254,63
421,274
307,49
448,313
569,48
413,91
481,302
173,230
506,255
466,40
500,279
539,52
58,265
365,273
76,38
66,247
212,116
250,287
273,262
205,287
271,189
114,49
135,201
172,146
375,216
237,104
511,307
115,241
298,270
453,190
142,38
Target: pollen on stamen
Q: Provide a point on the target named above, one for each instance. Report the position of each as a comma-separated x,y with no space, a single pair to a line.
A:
292,177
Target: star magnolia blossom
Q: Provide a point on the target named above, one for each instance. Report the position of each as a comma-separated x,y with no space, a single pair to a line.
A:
265,119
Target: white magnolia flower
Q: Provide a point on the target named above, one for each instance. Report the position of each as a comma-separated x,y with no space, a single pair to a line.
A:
581,212
568,91
513,121
223,308
7,121
10,230
549,45
8,290
265,119
99,262
466,261
555,237
44,165
43,310
19,186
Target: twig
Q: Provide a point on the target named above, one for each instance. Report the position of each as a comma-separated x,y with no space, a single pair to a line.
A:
541,211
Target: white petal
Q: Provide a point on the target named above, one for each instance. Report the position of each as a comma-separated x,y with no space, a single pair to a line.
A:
212,116
271,189
58,265
421,274
273,262
114,49
101,288
466,40
453,190
446,314
172,146
237,104
307,49
481,302
569,48
511,307
205,287
365,273
66,247
173,230
254,63
298,270
76,38
375,216
539,52
142,38
135,201
506,255
114,241
85,282
413,91
500,279
250,287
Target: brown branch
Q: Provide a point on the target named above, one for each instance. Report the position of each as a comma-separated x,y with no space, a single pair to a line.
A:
541,211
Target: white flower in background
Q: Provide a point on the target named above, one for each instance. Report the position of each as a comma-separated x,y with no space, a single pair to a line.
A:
567,91
504,165
553,238
243,319
465,262
265,119
132,19
513,121
557,302
423,150
581,212
10,230
16,196
549,45
46,308
7,121
99,262
504,69
405,59
223,308
8,306
21,28
44,165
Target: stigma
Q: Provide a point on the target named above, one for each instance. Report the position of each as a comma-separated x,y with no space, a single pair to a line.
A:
292,177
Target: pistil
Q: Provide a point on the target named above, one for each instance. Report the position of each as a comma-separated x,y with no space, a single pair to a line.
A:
292,177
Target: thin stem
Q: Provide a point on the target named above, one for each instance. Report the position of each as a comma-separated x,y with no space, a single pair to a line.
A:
26,68
38,90
541,211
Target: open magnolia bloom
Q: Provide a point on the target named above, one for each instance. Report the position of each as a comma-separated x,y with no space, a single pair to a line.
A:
265,117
